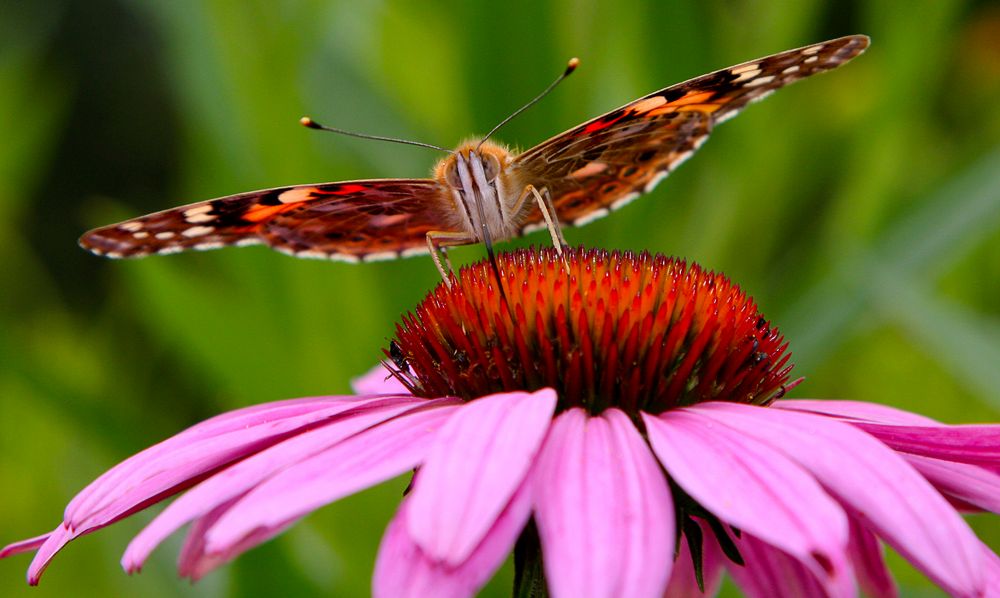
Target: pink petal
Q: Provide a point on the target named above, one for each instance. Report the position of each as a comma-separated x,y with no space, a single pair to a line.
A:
887,494
52,545
992,571
239,478
967,443
970,484
873,412
404,569
194,562
683,583
363,460
479,458
740,479
23,546
869,563
603,509
378,381
769,572
180,461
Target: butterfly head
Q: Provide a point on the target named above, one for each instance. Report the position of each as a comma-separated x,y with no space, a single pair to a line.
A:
489,159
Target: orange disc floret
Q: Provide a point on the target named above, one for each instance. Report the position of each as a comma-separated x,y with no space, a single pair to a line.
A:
638,332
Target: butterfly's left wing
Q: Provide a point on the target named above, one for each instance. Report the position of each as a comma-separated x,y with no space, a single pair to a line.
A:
350,221
603,164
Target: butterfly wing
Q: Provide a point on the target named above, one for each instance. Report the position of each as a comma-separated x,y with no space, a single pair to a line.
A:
349,221
604,163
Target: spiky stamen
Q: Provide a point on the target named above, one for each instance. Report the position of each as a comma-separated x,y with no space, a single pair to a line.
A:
638,332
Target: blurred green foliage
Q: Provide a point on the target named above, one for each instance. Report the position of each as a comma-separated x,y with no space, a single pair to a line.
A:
861,208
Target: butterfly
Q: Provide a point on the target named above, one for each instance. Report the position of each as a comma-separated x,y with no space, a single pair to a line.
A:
481,192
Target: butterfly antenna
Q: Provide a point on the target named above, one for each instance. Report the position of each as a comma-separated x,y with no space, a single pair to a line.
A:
305,121
570,67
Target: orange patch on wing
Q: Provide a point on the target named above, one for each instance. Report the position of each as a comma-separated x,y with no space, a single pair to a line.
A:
692,98
648,104
259,213
708,108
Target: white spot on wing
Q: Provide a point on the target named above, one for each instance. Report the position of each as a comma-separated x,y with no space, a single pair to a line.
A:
169,250
247,242
587,218
202,209
744,68
199,218
380,256
114,254
761,96
140,235
653,182
344,257
621,203
726,116
413,251
312,254
131,226
165,235
209,245
810,60
197,231
812,50
198,213
759,81
531,228
792,69
747,74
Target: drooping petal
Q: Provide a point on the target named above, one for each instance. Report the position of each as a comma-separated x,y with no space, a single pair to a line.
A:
769,572
378,381
603,509
869,563
969,484
180,461
973,443
55,541
175,464
477,461
194,562
23,546
885,492
365,459
239,478
755,488
684,583
404,569
862,410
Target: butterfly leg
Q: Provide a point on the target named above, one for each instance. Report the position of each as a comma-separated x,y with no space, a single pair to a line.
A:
555,220
438,240
548,213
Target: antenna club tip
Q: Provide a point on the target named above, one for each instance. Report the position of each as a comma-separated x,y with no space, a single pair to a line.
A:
305,121
572,64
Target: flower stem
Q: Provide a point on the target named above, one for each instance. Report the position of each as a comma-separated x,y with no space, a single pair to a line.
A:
529,574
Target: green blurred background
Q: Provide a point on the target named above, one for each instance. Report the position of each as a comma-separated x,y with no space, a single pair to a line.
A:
861,208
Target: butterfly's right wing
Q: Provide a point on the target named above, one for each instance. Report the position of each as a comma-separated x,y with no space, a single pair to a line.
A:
349,221
606,162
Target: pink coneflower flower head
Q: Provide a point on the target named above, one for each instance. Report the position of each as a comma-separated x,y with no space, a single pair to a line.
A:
612,420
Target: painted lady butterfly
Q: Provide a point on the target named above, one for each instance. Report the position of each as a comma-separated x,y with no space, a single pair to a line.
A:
481,192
